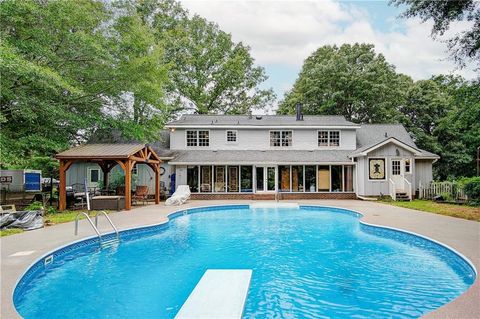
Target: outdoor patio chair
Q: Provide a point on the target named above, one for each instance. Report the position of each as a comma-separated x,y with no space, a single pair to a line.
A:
141,194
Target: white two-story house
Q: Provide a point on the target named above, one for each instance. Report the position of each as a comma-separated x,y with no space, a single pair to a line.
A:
225,156
293,157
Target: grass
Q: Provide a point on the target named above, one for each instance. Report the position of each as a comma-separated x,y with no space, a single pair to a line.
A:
52,219
8,232
65,216
459,211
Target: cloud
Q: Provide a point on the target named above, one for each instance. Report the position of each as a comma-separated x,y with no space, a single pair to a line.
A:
287,32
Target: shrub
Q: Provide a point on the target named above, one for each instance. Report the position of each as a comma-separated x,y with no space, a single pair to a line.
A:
472,190
34,206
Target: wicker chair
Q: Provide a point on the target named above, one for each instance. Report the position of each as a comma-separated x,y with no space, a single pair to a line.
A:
141,194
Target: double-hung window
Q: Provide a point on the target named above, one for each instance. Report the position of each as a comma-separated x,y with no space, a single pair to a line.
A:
231,136
281,138
198,138
329,138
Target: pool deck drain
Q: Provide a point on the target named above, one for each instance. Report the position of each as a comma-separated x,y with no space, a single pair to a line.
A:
220,294
462,235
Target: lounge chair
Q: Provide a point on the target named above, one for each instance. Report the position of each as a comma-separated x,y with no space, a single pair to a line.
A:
181,195
141,194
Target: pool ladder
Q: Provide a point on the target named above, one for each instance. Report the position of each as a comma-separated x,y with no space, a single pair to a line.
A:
103,243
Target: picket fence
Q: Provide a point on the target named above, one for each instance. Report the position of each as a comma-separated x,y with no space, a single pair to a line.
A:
450,189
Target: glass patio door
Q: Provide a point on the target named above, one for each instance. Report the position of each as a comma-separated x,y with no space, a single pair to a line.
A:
265,178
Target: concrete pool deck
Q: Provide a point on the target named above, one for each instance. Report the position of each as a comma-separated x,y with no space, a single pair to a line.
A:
19,251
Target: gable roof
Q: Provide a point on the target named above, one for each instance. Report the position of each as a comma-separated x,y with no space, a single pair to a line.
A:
233,121
369,148
371,135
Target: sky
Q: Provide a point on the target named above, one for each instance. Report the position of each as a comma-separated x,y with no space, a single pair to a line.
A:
282,34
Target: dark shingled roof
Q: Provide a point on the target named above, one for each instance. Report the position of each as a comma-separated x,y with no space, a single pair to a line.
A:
369,135
261,157
260,120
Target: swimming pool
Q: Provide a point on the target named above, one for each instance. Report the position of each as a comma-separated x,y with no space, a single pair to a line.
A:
307,262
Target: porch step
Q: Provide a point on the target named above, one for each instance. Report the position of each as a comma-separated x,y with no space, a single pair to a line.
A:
401,196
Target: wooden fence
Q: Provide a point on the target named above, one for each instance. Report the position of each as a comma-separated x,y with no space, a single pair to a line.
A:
446,189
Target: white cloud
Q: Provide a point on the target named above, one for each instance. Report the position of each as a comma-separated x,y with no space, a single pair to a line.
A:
286,32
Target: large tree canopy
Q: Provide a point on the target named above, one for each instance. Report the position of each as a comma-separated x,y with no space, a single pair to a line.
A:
76,69
464,45
350,80
209,73
442,114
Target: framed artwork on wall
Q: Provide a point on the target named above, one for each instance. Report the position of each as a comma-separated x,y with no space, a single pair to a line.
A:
376,168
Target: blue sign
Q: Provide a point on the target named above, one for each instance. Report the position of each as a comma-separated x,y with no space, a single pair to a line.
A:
32,182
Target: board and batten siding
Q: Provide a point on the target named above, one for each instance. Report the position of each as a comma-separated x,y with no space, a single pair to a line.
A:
368,187
77,173
423,172
259,139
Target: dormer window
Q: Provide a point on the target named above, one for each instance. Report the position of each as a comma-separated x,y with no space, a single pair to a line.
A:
198,138
281,138
329,138
231,136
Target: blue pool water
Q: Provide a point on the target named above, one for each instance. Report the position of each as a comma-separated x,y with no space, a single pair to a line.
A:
307,263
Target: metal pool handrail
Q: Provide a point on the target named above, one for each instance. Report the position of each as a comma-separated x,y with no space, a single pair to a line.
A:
109,221
90,222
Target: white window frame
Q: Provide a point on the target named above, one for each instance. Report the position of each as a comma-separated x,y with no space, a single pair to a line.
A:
281,138
197,144
236,137
329,138
318,138
393,169
405,166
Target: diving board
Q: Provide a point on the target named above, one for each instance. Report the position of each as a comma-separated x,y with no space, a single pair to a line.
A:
220,294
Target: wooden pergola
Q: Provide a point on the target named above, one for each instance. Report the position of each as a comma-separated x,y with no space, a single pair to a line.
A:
108,156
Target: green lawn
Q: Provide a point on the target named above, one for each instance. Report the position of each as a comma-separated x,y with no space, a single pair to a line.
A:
8,232
460,211
52,219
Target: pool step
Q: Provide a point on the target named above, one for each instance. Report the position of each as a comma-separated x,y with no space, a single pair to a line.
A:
273,205
109,243
220,294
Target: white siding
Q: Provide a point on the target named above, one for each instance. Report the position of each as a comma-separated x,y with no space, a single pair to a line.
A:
377,188
259,139
181,175
423,172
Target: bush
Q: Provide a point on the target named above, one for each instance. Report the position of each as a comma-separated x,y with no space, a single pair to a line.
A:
34,206
472,190
51,210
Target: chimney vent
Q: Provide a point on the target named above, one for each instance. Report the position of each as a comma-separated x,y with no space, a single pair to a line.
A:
298,109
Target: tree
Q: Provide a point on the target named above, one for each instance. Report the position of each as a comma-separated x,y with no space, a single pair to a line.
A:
464,45
209,73
458,132
52,59
426,103
137,106
350,80
65,66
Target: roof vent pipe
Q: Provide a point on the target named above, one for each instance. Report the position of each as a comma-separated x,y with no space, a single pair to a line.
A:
298,109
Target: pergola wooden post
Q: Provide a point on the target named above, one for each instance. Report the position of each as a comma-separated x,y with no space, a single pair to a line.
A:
107,156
